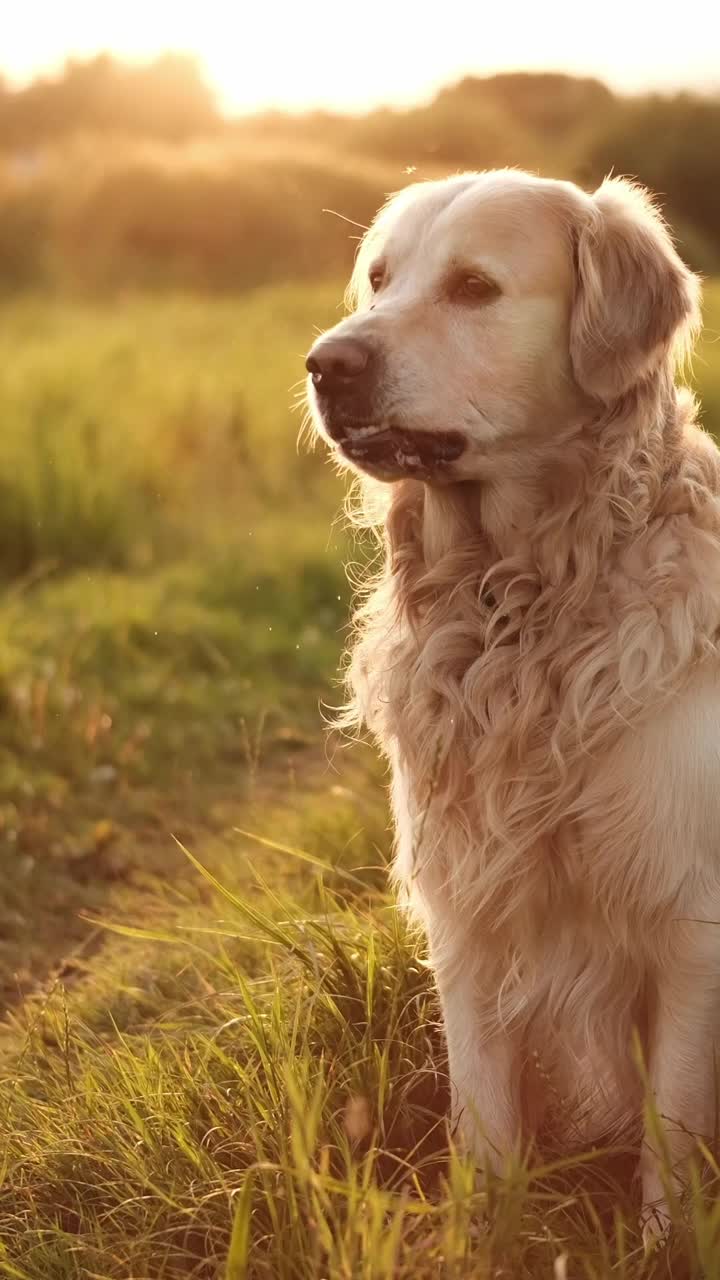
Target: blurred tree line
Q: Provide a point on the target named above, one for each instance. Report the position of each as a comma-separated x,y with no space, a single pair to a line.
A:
115,175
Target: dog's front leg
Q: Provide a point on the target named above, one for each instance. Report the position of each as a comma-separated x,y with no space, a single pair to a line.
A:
482,1065
681,1063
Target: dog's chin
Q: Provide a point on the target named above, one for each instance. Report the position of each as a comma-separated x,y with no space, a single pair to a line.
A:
393,452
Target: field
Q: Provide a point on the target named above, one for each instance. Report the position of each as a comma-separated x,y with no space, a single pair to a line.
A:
221,1054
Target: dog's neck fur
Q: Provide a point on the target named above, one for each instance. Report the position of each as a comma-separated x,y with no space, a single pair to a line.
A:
525,510
520,624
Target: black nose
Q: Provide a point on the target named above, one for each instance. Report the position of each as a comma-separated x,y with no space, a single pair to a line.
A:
335,363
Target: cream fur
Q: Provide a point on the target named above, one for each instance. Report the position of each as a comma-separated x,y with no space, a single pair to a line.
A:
538,655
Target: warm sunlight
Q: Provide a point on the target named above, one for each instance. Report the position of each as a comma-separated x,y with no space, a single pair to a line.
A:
225,1051
297,56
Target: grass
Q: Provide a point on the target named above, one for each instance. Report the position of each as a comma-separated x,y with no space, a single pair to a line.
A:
175,598
265,1097
133,431
223,1059
133,706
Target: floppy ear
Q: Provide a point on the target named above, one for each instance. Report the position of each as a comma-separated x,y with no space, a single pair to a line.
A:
636,303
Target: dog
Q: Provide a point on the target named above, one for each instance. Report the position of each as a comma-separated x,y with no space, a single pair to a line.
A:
538,656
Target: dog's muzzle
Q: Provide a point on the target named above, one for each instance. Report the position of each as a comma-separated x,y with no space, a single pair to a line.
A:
343,372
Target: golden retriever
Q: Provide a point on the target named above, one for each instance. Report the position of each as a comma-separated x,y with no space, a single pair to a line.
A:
538,657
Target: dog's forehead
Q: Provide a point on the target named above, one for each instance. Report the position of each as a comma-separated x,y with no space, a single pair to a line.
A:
497,218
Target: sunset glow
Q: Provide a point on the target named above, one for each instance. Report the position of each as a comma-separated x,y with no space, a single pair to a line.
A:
294,56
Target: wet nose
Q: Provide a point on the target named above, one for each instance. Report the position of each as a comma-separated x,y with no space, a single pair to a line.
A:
336,363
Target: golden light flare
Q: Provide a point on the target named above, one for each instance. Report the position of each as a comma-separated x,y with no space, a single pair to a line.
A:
295,56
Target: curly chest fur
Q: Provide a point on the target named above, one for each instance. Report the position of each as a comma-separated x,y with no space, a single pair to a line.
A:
494,698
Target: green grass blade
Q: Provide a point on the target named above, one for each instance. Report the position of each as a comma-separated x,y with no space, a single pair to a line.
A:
238,1258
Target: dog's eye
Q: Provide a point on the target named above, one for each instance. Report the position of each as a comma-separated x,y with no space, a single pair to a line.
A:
471,287
376,278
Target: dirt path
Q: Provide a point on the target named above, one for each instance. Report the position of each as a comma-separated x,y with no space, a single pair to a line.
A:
118,862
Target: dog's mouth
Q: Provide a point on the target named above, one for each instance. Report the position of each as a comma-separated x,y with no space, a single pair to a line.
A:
397,450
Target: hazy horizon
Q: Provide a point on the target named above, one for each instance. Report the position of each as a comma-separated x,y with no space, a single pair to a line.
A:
297,60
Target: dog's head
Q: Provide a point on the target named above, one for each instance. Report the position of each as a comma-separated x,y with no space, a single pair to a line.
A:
494,308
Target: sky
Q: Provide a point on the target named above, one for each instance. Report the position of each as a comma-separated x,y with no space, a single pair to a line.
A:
359,53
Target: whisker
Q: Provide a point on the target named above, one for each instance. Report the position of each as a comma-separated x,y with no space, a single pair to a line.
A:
351,221
305,435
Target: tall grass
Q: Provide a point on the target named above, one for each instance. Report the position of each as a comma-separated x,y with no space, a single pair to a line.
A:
273,1105
155,427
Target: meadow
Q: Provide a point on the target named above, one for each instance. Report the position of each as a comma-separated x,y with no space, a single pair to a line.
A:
220,1055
